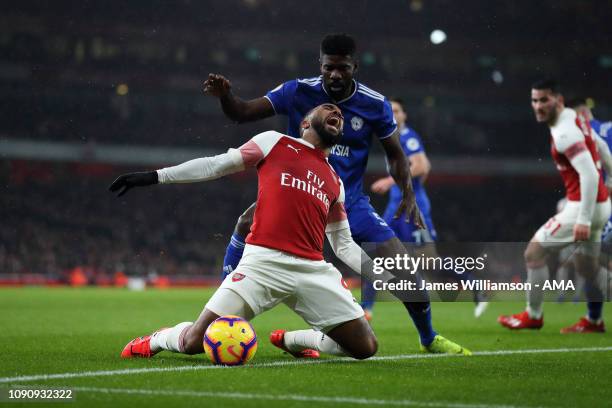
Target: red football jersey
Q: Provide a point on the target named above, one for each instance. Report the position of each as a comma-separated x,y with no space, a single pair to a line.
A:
299,194
570,136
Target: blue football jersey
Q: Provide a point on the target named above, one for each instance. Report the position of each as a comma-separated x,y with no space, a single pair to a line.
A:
603,129
412,144
365,111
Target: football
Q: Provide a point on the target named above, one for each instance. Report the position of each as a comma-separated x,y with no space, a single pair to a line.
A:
230,341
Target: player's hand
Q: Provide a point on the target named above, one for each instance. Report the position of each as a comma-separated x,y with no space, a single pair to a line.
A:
217,85
127,181
582,232
410,207
381,186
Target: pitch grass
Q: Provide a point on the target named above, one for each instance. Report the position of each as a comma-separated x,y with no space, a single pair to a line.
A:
46,331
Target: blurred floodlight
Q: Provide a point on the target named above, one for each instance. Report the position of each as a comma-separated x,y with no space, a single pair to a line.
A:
497,77
416,5
437,37
122,89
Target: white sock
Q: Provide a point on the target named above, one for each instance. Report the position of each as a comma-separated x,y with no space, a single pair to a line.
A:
299,340
535,296
170,339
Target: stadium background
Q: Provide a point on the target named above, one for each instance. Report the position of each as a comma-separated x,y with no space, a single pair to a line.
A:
91,90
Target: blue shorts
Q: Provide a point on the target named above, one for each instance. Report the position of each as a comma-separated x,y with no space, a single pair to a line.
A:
407,231
606,235
366,225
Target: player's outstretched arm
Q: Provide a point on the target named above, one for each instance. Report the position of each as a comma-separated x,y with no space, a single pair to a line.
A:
202,169
249,154
400,171
235,108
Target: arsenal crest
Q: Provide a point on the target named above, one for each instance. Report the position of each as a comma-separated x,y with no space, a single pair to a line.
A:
237,277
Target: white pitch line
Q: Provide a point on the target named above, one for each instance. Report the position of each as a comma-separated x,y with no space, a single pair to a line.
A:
290,397
129,371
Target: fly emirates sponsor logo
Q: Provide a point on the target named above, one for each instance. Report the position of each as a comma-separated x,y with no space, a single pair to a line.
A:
312,185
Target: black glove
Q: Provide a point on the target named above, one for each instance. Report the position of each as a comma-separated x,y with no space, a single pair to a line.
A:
126,181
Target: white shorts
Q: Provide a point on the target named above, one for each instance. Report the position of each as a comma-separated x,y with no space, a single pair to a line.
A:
559,230
266,277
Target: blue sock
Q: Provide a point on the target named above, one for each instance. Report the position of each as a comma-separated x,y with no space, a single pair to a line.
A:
595,309
368,295
233,254
594,297
420,312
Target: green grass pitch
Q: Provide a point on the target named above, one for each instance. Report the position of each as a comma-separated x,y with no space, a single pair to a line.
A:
82,331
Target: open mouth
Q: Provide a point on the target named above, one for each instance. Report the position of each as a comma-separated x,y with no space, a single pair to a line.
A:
334,120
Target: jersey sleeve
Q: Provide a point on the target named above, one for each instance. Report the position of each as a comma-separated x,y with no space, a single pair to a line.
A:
384,123
256,149
337,218
413,144
281,97
202,169
569,141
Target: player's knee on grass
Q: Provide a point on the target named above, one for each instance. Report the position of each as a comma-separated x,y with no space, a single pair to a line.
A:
366,348
356,338
243,225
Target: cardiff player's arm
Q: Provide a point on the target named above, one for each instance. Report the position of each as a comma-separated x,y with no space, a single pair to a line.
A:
202,169
606,158
419,167
400,171
235,108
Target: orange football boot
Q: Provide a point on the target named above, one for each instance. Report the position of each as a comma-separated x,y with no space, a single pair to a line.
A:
140,347
277,338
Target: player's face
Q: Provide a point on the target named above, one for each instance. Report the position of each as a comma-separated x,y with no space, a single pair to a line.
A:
328,121
338,72
544,103
398,113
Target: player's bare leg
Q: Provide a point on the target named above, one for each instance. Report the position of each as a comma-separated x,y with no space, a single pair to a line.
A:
354,338
537,273
182,338
187,337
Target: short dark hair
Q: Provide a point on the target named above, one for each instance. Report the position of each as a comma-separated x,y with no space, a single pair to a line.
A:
575,101
399,100
547,83
338,44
